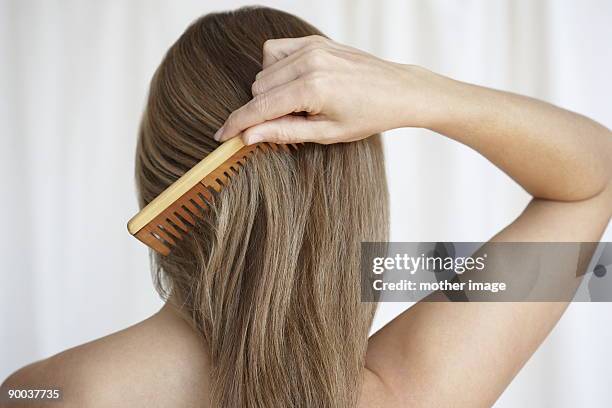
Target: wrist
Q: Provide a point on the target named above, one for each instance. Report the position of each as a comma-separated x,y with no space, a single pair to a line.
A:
432,100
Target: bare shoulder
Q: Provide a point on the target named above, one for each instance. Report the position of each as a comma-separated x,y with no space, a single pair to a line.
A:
158,362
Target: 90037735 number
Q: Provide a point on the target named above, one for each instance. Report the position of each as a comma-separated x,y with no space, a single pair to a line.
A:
34,394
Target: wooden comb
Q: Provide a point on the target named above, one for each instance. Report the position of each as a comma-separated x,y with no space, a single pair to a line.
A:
164,221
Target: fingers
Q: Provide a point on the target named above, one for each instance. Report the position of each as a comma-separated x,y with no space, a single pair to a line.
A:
280,101
315,56
277,49
289,129
306,56
282,76
289,60
284,86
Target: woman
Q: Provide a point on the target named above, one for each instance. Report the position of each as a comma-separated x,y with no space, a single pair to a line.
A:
263,302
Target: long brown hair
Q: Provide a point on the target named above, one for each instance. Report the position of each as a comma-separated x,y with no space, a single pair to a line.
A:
270,277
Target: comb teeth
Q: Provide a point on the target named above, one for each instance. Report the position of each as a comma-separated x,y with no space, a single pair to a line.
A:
160,225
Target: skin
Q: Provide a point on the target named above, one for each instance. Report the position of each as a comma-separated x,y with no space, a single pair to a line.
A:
435,354
159,362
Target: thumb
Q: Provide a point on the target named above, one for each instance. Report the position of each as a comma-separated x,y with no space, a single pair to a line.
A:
288,129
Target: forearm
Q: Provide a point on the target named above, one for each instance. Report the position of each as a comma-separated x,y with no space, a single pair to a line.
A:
348,95
553,153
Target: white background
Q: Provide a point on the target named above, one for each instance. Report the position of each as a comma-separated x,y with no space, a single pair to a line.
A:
74,76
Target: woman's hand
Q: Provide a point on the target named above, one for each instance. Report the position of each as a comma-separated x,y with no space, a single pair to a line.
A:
348,95
342,94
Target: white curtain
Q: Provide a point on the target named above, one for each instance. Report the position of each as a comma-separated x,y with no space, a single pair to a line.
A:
74,76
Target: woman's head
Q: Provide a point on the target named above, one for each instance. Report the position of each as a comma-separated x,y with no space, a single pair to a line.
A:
270,276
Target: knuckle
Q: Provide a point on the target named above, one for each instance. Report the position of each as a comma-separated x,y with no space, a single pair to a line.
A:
288,133
317,58
260,104
230,121
314,83
256,87
274,136
317,38
281,135
312,93
329,137
268,45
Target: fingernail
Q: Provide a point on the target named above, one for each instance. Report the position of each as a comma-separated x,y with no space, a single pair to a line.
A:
253,138
218,134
